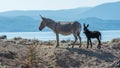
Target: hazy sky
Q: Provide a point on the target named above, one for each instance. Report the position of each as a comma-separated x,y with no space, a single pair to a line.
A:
7,5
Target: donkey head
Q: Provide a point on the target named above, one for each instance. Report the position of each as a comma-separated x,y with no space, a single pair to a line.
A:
85,28
42,24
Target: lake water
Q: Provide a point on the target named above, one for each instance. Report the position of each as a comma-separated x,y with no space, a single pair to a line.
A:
106,35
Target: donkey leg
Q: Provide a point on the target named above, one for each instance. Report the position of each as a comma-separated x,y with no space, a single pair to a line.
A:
74,41
99,43
79,39
87,43
91,43
57,38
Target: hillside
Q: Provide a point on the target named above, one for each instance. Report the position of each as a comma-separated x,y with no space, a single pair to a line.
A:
28,24
18,24
101,24
105,11
109,11
26,53
67,14
102,17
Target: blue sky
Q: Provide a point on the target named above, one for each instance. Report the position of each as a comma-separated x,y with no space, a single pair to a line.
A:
8,5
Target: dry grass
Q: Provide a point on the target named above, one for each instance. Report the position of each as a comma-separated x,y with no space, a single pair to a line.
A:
29,56
32,54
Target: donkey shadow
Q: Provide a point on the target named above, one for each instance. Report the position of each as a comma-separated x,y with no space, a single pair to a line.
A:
107,56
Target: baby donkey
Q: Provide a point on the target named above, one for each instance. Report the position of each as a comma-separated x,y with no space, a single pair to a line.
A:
92,34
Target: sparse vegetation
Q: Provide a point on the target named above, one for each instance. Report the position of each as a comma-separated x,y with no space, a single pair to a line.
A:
24,53
31,58
30,55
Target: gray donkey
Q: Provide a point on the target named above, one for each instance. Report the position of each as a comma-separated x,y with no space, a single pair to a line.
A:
64,28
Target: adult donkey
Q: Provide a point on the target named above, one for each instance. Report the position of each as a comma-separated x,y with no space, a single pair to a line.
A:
64,28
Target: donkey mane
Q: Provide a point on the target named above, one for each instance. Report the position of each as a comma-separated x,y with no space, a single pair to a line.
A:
50,20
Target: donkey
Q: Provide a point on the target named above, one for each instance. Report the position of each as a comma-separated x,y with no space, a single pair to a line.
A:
92,34
64,28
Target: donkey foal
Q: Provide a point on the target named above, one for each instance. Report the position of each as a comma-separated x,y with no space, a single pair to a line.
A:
92,34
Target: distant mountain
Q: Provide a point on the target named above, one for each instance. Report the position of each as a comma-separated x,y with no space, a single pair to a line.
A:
28,24
103,11
67,14
101,17
109,11
18,24
100,24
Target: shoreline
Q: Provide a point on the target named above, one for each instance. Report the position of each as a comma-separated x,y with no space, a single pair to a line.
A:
46,36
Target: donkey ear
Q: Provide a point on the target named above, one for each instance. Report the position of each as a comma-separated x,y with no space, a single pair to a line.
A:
42,17
84,24
87,25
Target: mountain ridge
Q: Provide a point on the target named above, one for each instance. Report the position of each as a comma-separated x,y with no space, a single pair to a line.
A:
105,11
29,21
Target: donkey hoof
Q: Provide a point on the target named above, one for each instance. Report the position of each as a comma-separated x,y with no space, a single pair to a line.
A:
79,46
98,47
72,46
57,46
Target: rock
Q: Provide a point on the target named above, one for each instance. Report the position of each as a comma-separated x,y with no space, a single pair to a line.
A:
3,37
8,54
116,64
63,41
47,43
116,45
17,38
115,40
25,66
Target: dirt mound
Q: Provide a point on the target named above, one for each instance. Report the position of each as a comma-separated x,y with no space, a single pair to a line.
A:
115,43
20,52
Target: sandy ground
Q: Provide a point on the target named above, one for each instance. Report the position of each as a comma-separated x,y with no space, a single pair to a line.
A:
26,53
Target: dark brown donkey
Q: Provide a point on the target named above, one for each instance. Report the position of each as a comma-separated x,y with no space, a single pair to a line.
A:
64,28
92,34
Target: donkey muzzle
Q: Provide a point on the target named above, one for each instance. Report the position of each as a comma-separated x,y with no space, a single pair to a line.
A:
40,29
